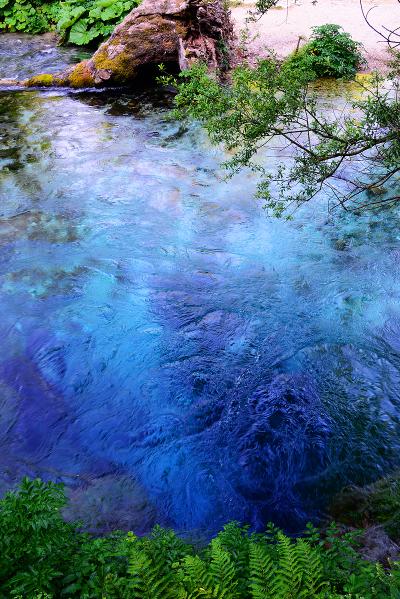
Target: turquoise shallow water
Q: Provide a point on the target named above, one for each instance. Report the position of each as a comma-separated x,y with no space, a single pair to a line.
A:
168,351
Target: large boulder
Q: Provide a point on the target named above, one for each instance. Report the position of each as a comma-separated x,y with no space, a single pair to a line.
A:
175,32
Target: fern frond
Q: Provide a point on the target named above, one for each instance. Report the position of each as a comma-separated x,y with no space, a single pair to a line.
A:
148,579
262,572
312,583
223,572
196,573
235,540
287,581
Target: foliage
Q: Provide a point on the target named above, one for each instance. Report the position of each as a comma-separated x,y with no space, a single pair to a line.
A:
377,503
82,22
29,16
384,504
353,154
44,557
79,22
261,8
34,539
331,52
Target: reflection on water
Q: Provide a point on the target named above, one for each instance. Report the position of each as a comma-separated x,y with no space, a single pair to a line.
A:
167,351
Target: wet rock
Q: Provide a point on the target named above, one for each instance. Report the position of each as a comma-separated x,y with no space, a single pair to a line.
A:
109,503
36,225
361,508
41,283
180,32
376,546
376,190
340,245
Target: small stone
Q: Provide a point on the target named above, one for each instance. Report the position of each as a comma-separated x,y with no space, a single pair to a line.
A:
340,244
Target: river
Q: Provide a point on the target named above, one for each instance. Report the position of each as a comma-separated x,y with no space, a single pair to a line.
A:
168,351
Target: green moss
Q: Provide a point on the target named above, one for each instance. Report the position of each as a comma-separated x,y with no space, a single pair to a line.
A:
121,66
44,80
81,76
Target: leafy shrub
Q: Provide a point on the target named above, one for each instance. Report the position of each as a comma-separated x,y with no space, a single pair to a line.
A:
376,503
331,52
384,504
44,557
29,16
82,22
34,539
273,105
79,22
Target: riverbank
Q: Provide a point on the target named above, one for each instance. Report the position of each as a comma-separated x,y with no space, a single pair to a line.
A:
281,28
46,556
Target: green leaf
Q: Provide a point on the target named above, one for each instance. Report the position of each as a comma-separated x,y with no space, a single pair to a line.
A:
79,33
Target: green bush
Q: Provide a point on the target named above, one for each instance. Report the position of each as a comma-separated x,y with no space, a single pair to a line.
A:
384,504
34,539
331,52
42,556
82,22
79,22
378,503
29,16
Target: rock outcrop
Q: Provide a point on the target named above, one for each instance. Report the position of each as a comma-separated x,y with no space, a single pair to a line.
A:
177,32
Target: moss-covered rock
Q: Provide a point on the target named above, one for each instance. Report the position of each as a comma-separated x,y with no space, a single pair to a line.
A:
80,76
44,80
158,31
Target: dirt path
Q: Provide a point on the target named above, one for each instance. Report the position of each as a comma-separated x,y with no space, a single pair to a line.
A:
281,27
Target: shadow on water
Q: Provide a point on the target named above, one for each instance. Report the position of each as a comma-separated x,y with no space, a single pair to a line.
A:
167,351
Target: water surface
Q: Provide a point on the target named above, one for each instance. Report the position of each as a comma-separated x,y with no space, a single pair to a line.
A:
168,351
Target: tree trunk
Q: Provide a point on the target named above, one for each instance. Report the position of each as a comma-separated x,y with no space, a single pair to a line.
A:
158,31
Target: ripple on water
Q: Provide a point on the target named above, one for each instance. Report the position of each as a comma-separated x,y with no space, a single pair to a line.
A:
168,351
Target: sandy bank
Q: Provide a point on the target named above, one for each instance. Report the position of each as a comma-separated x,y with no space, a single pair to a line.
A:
281,27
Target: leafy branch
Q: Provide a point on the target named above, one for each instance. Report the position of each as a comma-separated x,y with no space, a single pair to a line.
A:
352,154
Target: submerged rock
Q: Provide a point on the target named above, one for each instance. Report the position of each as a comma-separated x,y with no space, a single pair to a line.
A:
111,502
169,31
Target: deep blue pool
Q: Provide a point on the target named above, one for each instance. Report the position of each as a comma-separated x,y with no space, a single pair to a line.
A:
168,351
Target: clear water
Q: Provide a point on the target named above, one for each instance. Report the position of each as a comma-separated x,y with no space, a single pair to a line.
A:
169,352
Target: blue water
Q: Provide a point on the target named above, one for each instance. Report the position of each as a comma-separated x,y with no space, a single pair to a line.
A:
168,351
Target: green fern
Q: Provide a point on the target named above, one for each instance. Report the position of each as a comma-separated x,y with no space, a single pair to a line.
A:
291,569
196,575
287,581
312,570
236,541
43,556
262,571
214,578
148,578
223,572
